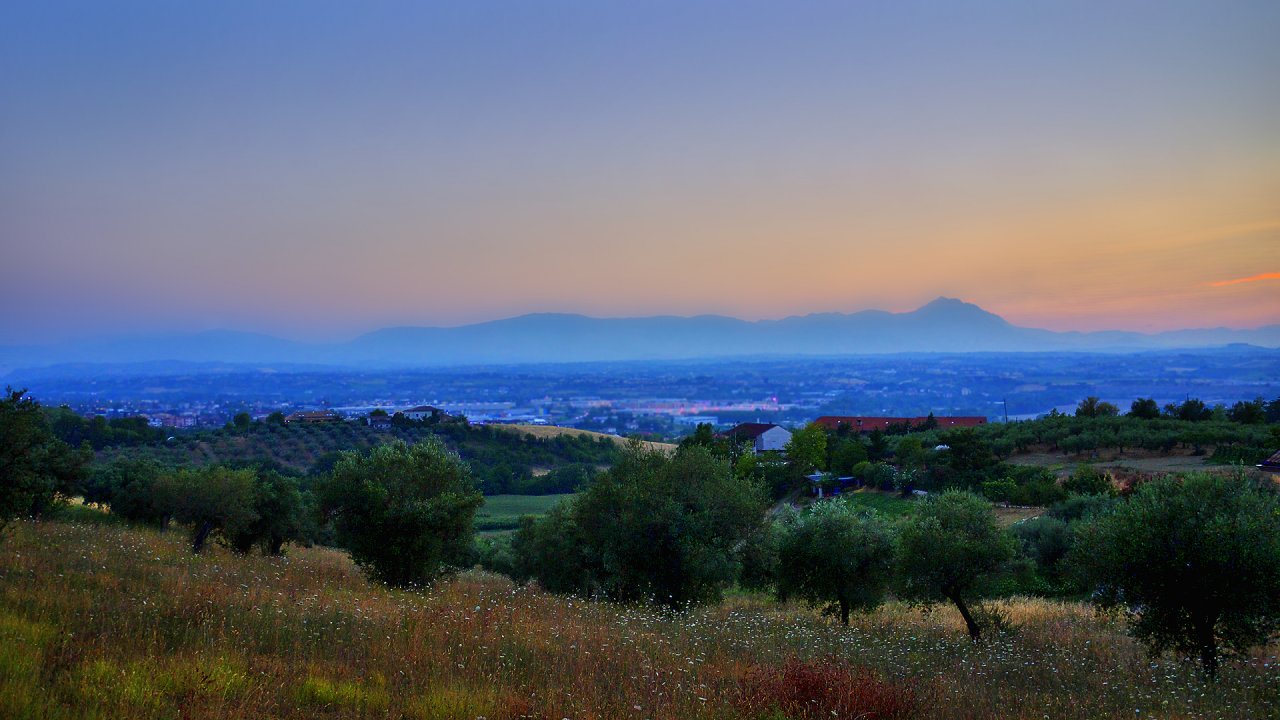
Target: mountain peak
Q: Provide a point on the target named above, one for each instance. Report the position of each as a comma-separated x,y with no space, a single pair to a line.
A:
943,301
955,310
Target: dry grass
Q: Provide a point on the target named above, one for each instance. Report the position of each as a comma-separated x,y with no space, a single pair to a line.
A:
101,621
550,431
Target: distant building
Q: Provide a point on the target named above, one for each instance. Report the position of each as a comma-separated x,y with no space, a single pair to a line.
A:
864,424
762,436
379,422
423,412
313,416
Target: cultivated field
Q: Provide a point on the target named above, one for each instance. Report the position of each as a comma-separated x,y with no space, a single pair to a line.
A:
106,621
503,512
547,431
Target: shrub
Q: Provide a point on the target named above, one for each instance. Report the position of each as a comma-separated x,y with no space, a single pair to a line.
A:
824,689
1088,480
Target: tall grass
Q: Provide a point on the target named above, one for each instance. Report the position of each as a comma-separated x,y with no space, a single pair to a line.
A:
104,621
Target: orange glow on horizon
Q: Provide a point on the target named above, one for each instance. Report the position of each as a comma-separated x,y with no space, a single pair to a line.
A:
1252,278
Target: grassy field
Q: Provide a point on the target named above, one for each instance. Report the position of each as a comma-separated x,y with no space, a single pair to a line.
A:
890,504
104,621
503,512
1110,459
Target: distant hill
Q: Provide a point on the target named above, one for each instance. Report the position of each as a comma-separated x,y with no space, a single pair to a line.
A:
944,325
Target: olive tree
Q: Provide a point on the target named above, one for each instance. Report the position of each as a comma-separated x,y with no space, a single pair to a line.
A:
947,548
835,555
213,500
1195,561
404,512
664,529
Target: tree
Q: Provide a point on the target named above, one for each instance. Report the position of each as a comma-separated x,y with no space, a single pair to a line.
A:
1092,407
845,454
36,468
835,555
213,499
1145,409
657,528
1248,412
277,503
807,448
1194,410
703,435
552,550
135,490
242,421
947,548
1195,561
275,418
404,512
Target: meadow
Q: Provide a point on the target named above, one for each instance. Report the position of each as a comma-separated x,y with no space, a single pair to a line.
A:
107,621
502,513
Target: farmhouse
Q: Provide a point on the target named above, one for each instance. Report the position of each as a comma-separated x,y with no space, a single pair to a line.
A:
425,412
762,436
865,424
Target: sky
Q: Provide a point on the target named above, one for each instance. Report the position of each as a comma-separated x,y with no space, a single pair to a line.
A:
318,169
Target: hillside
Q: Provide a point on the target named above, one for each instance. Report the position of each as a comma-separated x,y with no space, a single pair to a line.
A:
552,431
106,621
498,457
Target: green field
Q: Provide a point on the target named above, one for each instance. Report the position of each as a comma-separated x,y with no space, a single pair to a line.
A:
502,513
886,503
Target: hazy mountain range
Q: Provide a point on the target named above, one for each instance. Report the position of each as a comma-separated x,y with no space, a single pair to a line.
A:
944,325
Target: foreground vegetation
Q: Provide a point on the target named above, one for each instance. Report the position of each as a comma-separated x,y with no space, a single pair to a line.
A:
108,621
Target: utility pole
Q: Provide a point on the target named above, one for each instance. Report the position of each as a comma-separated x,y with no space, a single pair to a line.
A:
1006,410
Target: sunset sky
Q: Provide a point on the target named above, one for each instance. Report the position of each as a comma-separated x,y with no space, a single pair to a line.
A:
318,169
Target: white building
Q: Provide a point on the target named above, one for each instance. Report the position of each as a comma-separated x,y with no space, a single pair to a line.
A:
763,436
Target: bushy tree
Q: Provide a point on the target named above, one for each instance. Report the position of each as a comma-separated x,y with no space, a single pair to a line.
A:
1192,410
845,452
947,548
1046,540
135,489
213,500
1195,561
36,468
1145,409
1092,407
835,555
807,448
404,512
1248,412
658,528
553,550
278,507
